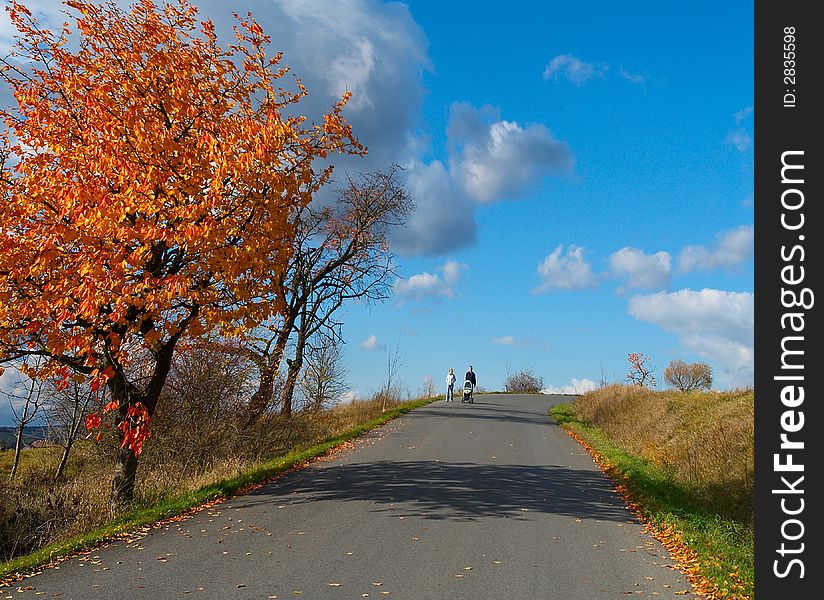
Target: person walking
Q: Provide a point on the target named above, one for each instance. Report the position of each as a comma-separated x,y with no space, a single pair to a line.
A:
470,376
450,385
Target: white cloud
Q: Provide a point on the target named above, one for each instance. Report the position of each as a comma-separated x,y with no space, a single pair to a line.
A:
573,69
646,271
715,324
347,398
521,342
422,286
372,343
452,271
742,114
568,271
444,218
576,386
730,249
492,159
632,77
740,139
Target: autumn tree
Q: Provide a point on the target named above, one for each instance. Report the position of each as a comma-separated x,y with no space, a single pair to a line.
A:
688,376
150,182
640,369
340,252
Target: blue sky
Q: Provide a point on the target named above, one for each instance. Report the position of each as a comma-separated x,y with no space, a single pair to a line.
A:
583,175
654,104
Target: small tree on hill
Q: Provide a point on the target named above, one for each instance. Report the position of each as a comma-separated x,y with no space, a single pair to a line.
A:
524,382
688,376
640,371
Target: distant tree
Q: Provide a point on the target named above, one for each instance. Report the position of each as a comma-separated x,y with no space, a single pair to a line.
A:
324,376
428,387
524,382
395,357
68,407
641,369
26,398
688,376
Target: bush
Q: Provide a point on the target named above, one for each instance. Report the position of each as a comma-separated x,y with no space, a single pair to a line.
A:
524,382
687,377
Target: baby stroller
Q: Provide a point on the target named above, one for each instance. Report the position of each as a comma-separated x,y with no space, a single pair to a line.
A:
467,392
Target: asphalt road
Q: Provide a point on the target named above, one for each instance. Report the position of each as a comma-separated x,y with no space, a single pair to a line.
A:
453,501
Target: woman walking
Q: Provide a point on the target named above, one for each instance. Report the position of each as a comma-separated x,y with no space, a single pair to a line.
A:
450,384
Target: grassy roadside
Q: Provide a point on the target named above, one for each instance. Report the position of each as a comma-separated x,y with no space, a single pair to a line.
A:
179,504
716,551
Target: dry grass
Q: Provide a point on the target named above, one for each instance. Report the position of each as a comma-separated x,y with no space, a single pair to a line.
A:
181,456
702,440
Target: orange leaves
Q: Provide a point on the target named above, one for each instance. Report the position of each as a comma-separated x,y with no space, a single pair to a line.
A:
155,172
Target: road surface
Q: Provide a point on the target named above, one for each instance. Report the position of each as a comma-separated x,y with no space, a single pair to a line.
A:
451,502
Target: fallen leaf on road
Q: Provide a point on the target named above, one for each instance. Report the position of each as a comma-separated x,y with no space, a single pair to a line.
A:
334,584
377,583
682,593
240,585
467,568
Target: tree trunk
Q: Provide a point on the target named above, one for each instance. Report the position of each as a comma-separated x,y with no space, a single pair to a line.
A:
18,445
63,459
269,367
127,395
125,472
294,369
289,386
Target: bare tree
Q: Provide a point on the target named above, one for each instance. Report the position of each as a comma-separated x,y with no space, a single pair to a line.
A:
341,252
66,415
686,377
395,357
641,369
428,388
324,378
26,398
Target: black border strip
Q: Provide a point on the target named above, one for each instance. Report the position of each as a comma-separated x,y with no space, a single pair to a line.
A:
788,107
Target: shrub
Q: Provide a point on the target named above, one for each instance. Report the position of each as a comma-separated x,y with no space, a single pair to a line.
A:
524,382
687,377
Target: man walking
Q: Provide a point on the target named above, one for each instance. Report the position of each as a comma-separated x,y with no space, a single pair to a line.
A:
470,376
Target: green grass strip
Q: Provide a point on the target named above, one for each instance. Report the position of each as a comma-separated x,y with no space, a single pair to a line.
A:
724,547
176,505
